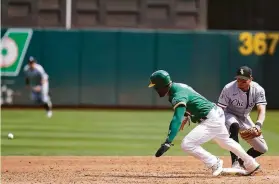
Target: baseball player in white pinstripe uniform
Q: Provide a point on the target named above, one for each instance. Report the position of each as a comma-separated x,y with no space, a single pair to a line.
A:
238,99
37,79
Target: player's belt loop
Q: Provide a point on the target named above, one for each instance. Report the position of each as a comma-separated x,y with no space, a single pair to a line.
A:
202,119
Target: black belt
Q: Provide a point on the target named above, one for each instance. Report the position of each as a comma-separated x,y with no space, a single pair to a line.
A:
202,119
186,114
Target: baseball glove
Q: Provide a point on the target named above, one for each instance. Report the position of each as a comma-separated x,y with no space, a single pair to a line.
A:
250,133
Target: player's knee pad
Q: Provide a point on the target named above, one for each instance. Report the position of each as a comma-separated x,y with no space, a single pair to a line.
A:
234,129
265,149
262,149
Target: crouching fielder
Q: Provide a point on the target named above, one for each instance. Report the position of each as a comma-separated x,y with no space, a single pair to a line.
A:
238,99
37,79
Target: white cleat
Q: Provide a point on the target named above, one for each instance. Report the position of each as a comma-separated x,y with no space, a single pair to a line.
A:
217,168
236,165
49,114
251,167
234,171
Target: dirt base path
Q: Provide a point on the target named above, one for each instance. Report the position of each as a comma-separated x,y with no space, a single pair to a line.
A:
129,170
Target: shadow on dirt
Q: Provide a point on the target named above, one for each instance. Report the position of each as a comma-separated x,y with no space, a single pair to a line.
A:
166,176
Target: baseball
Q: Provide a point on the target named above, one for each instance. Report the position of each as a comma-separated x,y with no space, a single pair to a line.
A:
10,136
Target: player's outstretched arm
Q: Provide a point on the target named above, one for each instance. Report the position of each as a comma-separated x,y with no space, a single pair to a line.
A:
261,115
26,81
25,69
261,106
173,130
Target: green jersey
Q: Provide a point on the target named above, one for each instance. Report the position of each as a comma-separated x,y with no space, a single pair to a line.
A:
197,105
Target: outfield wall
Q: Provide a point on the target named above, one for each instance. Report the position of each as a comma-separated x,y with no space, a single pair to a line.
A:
112,67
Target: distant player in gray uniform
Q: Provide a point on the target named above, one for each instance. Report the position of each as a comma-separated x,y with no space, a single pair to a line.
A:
37,79
238,99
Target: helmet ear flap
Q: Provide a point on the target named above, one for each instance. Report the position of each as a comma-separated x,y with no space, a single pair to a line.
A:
162,91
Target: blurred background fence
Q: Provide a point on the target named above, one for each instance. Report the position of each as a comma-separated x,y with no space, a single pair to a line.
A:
102,52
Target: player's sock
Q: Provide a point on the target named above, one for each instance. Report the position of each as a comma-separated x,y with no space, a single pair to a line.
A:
48,106
254,153
233,157
234,135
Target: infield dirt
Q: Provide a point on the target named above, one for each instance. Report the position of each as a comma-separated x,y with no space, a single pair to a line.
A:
124,169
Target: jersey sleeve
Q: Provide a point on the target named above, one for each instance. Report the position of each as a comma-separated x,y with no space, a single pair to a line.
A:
223,100
25,69
42,72
176,101
175,123
260,96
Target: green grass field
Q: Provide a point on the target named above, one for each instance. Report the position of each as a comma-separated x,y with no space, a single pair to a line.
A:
100,132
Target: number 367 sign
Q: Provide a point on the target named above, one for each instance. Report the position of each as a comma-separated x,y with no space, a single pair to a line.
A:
259,43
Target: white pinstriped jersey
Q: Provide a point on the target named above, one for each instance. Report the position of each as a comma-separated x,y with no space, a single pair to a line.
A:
36,75
240,103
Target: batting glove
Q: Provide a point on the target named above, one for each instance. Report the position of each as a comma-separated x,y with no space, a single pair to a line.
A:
164,147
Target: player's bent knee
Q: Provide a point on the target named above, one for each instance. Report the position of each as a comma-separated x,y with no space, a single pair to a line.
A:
187,145
263,149
234,129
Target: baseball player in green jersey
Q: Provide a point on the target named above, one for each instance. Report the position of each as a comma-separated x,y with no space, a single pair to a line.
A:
210,121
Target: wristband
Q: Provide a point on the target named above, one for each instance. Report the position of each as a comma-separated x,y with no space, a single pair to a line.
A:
258,124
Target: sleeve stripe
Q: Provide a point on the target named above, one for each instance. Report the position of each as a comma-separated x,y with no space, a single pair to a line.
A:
179,103
261,103
221,105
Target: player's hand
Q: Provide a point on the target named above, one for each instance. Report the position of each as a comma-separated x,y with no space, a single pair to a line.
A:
37,88
164,147
258,125
184,122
